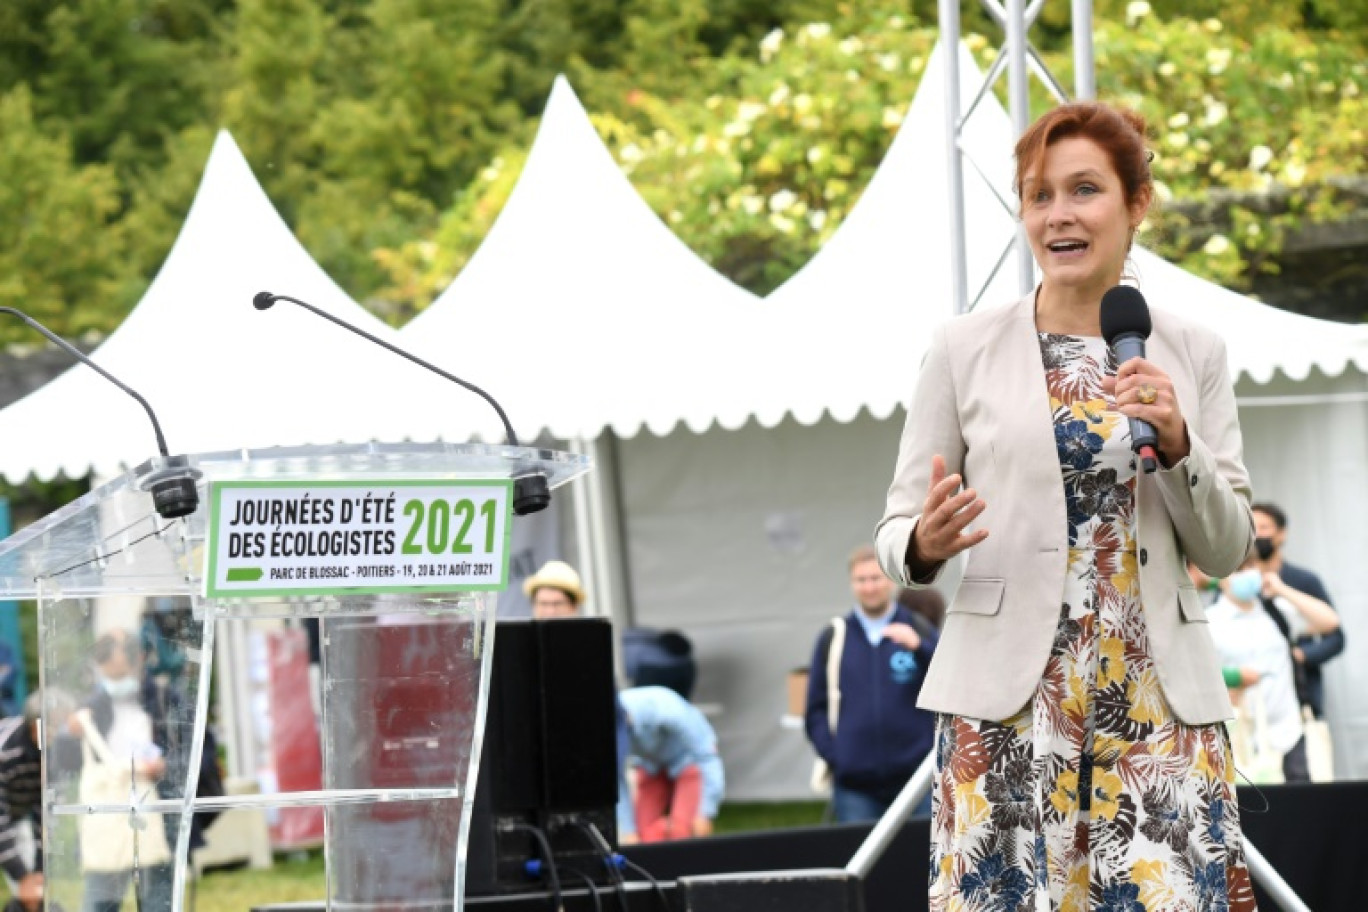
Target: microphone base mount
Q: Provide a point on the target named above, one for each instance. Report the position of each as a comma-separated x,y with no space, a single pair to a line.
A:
531,494
174,488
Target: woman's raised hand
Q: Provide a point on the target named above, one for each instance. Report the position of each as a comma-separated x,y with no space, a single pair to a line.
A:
939,534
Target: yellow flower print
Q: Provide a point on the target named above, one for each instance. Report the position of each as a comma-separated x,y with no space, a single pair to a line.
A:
1065,794
1106,793
1101,420
1112,661
1108,750
971,808
1075,705
1075,898
1152,879
1127,579
1146,698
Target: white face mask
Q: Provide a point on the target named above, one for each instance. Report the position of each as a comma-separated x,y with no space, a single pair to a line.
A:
120,688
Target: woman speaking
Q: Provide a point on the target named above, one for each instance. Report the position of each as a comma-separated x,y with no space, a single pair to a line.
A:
1081,760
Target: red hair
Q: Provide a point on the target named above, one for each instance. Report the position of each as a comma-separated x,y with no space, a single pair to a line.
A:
1120,132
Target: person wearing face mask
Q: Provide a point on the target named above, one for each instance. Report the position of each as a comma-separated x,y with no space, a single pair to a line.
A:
1255,656
118,730
1309,651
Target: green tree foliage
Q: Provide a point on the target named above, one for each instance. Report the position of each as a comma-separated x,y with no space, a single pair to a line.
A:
60,251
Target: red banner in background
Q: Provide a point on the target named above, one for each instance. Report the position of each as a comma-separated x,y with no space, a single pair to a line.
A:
296,754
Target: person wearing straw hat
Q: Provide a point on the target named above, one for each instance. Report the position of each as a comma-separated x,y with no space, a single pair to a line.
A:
555,591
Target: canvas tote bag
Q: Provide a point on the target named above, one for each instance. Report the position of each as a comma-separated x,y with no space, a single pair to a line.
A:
107,839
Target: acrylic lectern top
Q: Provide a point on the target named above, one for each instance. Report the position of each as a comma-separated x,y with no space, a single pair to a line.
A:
112,541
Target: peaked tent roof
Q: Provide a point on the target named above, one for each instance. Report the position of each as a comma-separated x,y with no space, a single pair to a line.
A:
1261,340
581,310
218,373
860,313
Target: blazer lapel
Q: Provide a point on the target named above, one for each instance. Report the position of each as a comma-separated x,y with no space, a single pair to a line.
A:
1027,422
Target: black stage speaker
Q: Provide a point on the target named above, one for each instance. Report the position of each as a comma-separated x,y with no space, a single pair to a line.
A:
811,890
550,753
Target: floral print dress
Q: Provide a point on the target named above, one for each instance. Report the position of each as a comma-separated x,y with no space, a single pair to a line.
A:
1093,798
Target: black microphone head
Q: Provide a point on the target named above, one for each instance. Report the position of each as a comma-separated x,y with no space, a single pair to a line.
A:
1124,312
263,300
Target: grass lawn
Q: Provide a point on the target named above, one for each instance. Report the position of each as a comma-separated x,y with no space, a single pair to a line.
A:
300,876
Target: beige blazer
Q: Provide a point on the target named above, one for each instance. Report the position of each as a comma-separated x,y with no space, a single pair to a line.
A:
981,403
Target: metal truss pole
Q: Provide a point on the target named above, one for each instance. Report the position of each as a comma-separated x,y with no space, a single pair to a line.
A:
1085,87
959,263
1019,101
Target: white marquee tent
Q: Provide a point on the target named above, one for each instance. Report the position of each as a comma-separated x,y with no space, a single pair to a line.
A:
218,373
581,310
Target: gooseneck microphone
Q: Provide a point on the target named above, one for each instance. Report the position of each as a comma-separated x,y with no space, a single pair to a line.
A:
173,489
1126,325
531,492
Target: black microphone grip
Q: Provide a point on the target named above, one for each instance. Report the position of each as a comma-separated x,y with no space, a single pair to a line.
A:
1144,438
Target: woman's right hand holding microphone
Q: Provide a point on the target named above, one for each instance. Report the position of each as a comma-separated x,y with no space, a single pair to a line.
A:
939,534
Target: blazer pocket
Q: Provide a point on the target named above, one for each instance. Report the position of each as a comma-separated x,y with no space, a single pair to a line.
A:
1190,604
978,596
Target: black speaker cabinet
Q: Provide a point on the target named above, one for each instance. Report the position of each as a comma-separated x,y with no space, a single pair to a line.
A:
550,753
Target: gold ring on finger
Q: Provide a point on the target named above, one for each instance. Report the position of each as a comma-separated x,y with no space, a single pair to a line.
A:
1147,393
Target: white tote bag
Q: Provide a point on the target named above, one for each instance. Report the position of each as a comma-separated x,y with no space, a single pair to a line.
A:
107,840
1320,750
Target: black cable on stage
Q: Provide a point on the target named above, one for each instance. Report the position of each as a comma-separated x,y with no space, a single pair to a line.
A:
600,844
1258,791
554,875
659,890
593,887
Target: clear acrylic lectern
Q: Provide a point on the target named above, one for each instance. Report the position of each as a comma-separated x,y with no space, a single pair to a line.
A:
397,549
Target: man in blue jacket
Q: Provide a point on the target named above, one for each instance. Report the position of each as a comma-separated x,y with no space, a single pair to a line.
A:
877,737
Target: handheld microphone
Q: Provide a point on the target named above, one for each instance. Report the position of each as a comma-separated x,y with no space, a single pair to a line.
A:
1126,325
173,485
531,492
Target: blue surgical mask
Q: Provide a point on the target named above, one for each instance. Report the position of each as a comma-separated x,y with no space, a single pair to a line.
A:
120,688
1246,585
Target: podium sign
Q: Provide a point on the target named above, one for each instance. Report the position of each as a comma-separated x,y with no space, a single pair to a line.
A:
357,537
397,550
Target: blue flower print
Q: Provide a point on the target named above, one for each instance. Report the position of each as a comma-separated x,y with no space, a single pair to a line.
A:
1216,830
1210,881
1121,897
994,886
1077,444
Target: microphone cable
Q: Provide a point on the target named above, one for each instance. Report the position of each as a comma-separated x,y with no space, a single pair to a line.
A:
589,883
659,890
558,901
610,860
